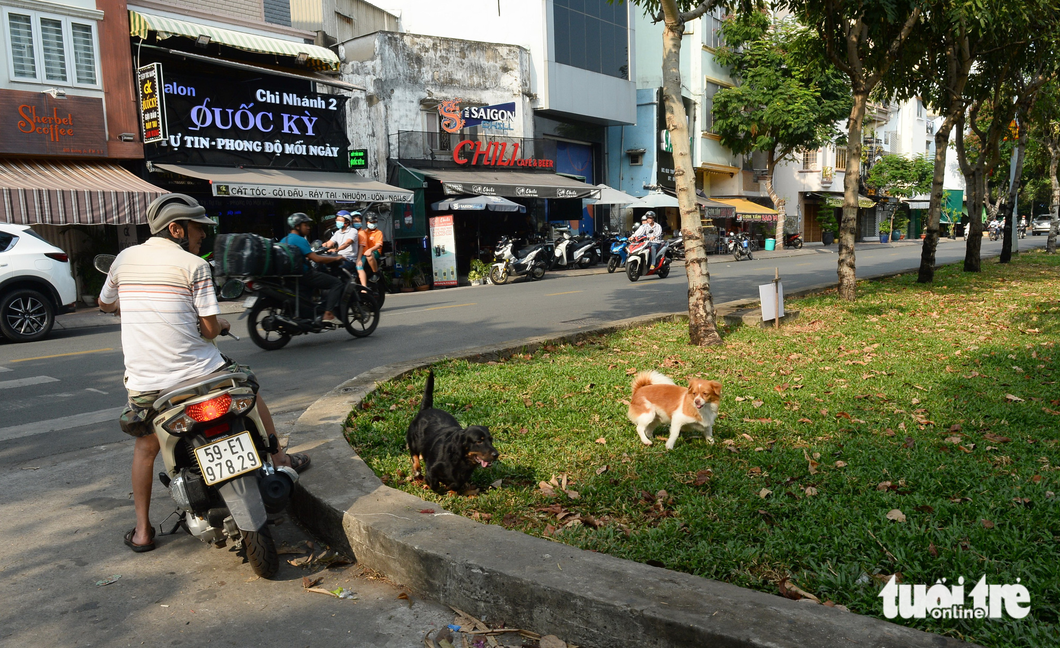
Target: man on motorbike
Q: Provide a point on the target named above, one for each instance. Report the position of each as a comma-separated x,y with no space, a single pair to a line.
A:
310,279
344,240
371,242
651,231
169,319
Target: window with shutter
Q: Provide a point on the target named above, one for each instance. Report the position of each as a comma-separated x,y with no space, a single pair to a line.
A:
51,36
21,29
84,53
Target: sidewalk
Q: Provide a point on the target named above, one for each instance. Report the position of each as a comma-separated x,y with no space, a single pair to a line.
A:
498,575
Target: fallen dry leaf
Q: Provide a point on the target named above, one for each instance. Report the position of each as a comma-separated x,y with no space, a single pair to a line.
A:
896,515
909,443
932,550
1013,398
764,493
996,438
886,485
757,404
311,582
988,524
602,441
840,464
805,420
810,491
551,641
953,439
703,476
812,464
602,469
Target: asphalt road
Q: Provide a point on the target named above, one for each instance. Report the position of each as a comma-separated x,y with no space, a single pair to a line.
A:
64,463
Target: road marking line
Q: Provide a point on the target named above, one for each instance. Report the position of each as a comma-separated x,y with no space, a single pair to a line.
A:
453,306
569,292
62,355
26,382
802,264
3,369
56,425
98,391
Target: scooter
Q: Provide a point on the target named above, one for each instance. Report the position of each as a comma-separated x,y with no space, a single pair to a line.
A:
742,247
793,240
637,263
532,263
218,460
280,308
618,253
677,246
571,251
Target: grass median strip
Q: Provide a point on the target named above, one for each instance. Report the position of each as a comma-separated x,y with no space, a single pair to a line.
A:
913,433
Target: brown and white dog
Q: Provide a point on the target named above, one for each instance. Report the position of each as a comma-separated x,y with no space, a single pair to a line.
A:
657,400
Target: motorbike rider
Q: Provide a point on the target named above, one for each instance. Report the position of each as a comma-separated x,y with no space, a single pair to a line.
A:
169,319
344,240
651,231
371,242
310,279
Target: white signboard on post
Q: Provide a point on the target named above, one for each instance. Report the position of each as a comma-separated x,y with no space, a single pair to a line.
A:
772,296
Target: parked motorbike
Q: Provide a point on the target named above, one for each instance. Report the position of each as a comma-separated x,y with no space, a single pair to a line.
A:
218,460
618,253
677,245
573,251
742,247
637,263
531,261
793,240
728,242
280,308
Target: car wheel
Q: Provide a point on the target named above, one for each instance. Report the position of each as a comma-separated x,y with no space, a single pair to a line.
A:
26,315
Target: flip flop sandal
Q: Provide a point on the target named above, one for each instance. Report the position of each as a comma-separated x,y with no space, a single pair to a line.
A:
139,548
299,461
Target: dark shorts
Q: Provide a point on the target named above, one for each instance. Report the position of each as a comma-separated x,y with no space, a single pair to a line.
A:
135,419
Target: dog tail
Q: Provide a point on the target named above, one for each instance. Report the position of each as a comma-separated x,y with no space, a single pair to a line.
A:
645,378
428,392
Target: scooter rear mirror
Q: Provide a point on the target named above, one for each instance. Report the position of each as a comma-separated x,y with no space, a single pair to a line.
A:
232,289
102,262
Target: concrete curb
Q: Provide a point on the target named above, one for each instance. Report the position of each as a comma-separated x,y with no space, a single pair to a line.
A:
498,575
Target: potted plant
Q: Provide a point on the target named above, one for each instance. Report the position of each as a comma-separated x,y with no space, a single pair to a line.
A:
478,273
885,231
829,225
901,221
418,277
403,271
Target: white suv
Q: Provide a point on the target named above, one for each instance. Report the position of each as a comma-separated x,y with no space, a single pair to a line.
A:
36,284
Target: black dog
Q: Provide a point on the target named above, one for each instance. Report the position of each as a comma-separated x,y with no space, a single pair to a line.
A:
449,452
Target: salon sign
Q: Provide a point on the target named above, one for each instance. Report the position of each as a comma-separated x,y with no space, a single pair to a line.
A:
261,123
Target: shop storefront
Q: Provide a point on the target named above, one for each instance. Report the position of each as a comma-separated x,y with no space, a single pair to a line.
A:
758,221
254,145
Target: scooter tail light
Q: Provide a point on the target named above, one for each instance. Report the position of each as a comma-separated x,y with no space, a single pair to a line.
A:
209,410
180,424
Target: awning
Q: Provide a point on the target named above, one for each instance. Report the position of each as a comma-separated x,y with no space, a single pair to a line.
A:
289,183
68,193
478,203
711,208
655,200
918,204
513,184
317,58
718,169
750,211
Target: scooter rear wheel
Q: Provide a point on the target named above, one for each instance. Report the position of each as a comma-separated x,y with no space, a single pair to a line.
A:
261,552
612,263
268,340
537,272
664,271
797,244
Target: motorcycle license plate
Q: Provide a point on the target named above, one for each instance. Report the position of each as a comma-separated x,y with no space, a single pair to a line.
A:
227,458
250,301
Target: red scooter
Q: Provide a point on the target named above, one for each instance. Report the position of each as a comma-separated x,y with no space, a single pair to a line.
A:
793,240
639,253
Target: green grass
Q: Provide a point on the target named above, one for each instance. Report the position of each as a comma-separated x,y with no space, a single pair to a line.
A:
909,385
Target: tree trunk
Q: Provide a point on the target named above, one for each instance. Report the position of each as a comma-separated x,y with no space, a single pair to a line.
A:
931,241
976,185
702,325
778,202
1054,159
1013,193
848,226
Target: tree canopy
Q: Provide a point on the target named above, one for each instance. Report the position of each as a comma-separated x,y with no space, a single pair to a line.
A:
896,175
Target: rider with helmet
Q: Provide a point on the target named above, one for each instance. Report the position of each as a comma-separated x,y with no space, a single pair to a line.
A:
371,243
344,241
651,231
169,318
310,279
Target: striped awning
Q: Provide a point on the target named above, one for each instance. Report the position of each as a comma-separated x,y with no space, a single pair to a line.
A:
68,193
317,58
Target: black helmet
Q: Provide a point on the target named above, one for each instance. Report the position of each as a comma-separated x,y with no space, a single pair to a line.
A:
296,219
173,207
372,217
649,214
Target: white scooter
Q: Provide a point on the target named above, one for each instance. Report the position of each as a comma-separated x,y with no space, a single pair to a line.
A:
570,252
533,262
